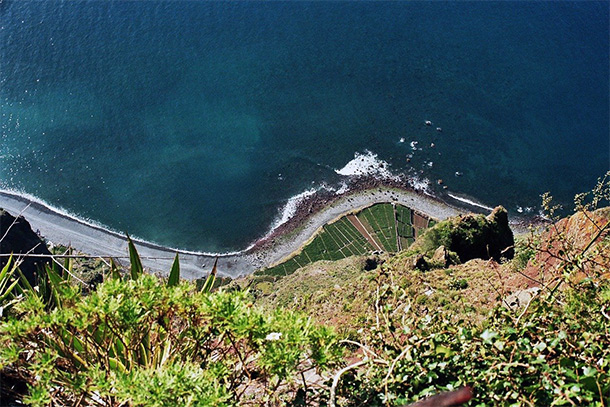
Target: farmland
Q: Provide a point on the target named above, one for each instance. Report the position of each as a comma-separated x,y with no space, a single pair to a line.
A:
381,227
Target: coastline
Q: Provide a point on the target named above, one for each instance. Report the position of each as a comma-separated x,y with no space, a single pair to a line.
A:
326,206
312,212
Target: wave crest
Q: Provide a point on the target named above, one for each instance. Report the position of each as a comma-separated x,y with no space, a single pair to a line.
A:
367,164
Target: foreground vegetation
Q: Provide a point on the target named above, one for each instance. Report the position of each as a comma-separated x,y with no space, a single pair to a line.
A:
139,341
404,333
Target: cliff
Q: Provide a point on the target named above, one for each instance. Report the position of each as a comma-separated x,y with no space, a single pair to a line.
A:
471,236
17,237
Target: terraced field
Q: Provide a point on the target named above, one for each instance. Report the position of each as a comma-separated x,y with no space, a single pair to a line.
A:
381,227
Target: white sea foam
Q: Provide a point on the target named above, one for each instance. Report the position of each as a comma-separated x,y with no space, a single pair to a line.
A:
526,209
420,184
366,164
57,209
290,209
342,189
470,202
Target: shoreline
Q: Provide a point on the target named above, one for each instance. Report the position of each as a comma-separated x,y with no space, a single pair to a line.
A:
312,212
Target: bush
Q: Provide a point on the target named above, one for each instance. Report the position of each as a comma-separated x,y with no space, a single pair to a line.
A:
554,352
550,355
458,284
137,341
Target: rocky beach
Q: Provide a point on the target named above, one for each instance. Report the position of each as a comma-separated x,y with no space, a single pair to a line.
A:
311,213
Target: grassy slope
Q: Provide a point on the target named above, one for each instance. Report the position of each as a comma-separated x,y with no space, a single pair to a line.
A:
340,293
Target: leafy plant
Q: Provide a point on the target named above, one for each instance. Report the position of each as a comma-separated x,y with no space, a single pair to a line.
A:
135,341
7,284
457,284
552,354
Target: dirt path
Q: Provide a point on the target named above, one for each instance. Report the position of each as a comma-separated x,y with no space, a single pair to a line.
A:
398,243
358,225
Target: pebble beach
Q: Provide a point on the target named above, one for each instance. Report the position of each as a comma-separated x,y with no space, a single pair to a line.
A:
310,215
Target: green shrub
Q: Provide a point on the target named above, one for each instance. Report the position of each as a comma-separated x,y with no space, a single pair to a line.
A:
137,341
525,249
458,283
552,355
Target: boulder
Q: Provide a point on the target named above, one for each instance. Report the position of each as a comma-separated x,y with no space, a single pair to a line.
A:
501,239
17,237
480,237
371,263
444,257
520,298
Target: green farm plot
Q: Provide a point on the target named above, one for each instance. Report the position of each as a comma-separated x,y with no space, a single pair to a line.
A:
382,222
336,241
390,225
403,221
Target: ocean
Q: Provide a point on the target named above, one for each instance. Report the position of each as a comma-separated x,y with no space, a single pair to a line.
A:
192,124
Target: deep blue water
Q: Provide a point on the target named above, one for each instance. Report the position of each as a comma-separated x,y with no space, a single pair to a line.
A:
173,120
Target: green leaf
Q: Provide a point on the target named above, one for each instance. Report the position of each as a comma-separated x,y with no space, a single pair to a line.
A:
25,287
442,350
115,365
134,258
209,282
174,275
488,335
7,270
4,296
5,280
55,282
114,270
540,346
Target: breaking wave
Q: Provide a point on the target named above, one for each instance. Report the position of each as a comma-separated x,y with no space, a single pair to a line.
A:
367,163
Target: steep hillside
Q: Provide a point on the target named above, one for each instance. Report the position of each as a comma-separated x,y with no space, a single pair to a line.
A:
414,330
451,310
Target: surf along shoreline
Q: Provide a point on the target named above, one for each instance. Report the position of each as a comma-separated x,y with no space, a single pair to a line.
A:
312,212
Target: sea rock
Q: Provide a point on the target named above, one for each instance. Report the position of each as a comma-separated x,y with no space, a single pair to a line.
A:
17,237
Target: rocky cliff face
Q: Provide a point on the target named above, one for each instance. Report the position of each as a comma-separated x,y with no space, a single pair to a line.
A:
17,237
472,236
584,235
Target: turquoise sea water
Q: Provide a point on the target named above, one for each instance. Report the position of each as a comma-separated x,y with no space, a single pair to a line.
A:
192,123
